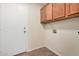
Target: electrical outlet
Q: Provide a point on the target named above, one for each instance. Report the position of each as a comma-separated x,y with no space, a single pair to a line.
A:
54,31
78,32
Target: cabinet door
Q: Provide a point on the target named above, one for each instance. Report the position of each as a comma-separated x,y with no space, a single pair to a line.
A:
49,12
74,8
59,10
67,10
43,15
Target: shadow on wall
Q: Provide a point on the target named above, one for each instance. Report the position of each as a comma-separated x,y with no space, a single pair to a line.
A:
68,24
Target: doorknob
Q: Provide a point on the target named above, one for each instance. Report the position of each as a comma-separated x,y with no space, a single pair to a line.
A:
24,32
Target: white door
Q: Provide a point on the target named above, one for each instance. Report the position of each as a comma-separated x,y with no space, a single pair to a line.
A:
13,18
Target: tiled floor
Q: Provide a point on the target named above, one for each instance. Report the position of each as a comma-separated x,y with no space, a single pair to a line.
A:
38,52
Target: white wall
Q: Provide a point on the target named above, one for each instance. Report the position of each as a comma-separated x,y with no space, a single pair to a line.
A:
66,40
35,31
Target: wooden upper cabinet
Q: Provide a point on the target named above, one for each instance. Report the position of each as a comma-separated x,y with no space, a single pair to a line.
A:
58,11
49,12
42,15
73,8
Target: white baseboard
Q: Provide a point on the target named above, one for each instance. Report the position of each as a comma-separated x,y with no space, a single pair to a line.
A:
34,48
46,47
54,51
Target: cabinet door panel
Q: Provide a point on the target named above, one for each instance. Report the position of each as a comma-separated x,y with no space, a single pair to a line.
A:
42,15
74,8
58,11
49,11
67,10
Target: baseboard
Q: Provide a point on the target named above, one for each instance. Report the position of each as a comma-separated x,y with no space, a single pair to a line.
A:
19,54
28,50
57,53
34,48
